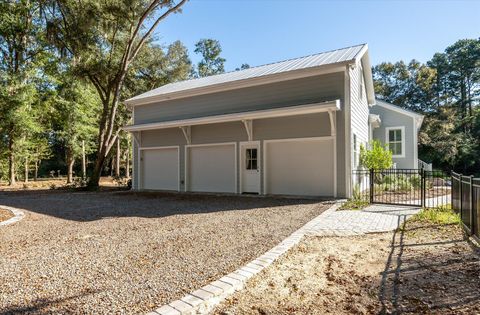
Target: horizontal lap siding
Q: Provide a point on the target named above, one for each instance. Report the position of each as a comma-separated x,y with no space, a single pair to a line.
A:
392,118
287,93
359,108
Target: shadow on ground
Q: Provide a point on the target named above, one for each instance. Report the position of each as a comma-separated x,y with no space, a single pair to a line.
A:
90,206
430,269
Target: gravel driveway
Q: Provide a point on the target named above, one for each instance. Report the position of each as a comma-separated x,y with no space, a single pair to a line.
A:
124,252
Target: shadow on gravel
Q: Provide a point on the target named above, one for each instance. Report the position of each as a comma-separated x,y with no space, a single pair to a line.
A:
430,276
42,306
90,206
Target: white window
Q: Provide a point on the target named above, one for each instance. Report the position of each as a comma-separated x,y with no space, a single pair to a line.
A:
395,137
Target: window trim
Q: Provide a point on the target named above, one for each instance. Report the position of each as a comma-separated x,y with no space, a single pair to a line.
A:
387,139
356,155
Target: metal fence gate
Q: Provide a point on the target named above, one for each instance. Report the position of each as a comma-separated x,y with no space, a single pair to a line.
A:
412,187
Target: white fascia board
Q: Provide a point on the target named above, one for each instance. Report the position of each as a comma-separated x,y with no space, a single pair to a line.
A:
368,78
233,85
259,114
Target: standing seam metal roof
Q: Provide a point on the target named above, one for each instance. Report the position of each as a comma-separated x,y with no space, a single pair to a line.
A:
316,60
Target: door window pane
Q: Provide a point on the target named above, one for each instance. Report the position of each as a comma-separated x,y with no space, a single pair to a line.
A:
251,159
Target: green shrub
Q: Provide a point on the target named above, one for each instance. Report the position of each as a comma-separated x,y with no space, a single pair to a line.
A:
376,156
416,181
439,215
403,184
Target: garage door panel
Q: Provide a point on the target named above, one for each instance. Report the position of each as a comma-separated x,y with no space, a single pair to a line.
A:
160,169
300,168
212,168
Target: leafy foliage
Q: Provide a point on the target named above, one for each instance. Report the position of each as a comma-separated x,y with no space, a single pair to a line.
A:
211,62
376,156
447,91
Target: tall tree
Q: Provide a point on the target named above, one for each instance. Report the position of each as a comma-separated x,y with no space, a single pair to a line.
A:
76,114
446,89
21,53
104,39
211,63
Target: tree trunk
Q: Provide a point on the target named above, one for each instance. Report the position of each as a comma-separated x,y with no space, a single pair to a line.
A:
84,165
70,162
35,174
127,166
94,181
11,163
117,159
25,179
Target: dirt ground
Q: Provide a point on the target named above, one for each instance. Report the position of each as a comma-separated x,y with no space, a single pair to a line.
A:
106,183
424,268
5,215
79,252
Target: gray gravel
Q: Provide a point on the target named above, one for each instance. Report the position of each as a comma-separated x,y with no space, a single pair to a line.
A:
123,252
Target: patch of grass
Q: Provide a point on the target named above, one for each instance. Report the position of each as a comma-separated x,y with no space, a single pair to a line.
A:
442,215
354,204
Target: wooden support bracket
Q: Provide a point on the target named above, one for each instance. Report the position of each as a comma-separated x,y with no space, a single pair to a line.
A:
187,132
249,128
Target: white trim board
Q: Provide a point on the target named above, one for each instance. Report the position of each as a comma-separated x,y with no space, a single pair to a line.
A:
140,162
259,162
210,145
402,128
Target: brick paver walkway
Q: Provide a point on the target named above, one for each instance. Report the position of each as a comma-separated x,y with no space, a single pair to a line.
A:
372,219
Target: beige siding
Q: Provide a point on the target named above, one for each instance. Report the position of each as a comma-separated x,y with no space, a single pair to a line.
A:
287,93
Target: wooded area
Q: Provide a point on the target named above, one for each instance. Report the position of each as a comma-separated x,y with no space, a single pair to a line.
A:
66,66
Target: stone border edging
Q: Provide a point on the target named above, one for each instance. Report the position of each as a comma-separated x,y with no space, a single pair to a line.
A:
18,215
206,298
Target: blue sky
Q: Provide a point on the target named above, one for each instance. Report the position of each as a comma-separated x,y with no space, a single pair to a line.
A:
264,31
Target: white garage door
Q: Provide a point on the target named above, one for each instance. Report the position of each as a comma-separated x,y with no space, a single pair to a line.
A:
211,168
160,169
299,167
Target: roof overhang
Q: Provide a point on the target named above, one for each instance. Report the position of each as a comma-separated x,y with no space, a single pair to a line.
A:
328,106
364,57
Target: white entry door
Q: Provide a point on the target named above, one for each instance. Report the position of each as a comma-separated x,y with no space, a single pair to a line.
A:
250,167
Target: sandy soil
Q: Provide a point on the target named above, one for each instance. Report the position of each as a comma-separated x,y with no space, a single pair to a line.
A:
5,215
128,253
421,269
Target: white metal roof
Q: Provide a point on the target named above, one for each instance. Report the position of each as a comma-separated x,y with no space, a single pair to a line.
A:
343,55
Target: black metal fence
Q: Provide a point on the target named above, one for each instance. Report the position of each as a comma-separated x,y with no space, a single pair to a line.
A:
466,201
414,187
